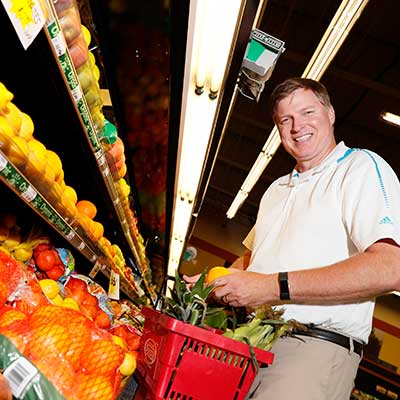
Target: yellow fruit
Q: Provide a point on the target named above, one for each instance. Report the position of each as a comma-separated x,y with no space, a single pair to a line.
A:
13,240
18,152
5,96
6,132
86,35
5,250
97,230
49,176
128,366
57,300
3,233
26,130
54,162
50,288
71,303
14,116
96,72
120,342
69,192
37,155
215,273
92,58
23,254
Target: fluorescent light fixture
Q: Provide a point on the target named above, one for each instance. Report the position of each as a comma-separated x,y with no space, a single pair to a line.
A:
211,29
391,118
340,26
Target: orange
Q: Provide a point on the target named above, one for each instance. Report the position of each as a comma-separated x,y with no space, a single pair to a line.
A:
87,208
215,273
94,387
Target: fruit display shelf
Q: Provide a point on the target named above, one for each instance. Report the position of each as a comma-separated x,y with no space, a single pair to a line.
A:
73,233
127,223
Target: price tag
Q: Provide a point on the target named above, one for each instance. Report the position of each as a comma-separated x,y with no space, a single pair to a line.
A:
95,270
77,93
59,44
27,18
20,375
113,288
29,194
81,246
3,162
70,235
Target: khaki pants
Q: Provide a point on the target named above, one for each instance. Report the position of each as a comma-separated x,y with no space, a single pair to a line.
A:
307,369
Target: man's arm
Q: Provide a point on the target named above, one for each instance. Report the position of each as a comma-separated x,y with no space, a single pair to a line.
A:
367,275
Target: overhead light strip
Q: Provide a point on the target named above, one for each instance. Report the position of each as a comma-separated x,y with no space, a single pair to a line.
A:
211,28
343,21
391,118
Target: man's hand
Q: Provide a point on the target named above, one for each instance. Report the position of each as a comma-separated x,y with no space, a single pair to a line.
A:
247,289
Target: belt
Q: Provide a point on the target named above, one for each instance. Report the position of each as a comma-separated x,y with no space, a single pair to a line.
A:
333,337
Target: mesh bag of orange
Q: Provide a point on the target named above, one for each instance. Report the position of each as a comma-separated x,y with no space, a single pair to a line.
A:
79,359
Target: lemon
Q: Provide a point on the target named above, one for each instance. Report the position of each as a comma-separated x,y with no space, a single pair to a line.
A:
5,96
96,72
50,288
37,155
26,129
128,366
6,130
86,35
23,254
54,162
215,273
14,116
70,194
120,342
18,152
57,301
71,303
92,58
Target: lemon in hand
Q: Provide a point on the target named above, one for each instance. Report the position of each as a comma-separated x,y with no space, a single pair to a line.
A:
215,273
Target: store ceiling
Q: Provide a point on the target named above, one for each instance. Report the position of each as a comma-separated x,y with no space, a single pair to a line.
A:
363,80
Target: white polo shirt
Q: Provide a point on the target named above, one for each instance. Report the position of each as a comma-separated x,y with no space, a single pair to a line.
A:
322,216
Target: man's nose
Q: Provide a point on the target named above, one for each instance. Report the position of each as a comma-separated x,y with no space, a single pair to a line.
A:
297,124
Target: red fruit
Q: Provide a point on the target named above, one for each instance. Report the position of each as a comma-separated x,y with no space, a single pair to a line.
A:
47,259
120,331
78,296
75,284
90,300
40,247
5,389
56,272
133,341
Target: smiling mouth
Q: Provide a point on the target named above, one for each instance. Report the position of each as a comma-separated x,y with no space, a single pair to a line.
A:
303,138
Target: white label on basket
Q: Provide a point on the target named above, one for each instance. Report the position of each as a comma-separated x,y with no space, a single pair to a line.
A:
150,351
29,194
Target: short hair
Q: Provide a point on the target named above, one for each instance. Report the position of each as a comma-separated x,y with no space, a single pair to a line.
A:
288,86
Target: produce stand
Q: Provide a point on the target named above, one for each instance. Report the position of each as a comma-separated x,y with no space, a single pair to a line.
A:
179,360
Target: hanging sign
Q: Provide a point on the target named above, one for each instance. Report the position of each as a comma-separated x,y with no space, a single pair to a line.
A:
27,18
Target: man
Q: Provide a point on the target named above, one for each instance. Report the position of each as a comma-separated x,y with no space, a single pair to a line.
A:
325,244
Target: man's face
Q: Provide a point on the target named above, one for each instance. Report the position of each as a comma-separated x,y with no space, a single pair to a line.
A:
306,128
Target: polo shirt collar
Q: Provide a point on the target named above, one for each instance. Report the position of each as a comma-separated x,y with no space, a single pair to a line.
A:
334,157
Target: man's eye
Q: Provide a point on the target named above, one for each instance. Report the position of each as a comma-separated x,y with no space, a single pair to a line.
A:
284,121
308,112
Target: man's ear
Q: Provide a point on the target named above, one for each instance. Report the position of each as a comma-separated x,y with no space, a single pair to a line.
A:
331,114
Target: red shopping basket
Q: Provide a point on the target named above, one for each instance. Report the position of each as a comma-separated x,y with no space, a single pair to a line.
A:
181,361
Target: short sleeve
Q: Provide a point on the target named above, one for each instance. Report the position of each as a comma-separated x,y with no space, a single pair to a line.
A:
248,241
370,193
